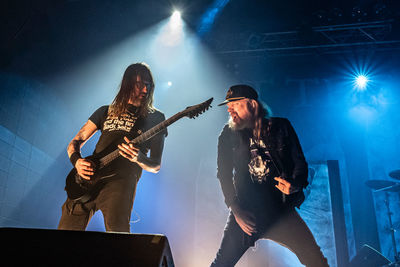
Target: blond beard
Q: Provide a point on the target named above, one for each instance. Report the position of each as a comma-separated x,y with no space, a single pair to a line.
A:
244,124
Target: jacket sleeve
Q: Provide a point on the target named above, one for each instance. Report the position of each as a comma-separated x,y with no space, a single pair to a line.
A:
225,166
300,168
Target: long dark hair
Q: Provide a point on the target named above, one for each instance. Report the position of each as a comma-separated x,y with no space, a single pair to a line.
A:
120,102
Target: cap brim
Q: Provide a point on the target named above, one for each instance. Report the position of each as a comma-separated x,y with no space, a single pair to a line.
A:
231,100
223,103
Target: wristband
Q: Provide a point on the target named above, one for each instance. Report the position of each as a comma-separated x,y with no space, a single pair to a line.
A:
74,158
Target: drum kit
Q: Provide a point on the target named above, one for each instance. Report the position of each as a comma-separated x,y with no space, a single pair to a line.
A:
388,186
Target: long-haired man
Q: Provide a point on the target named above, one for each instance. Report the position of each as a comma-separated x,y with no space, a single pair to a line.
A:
262,171
130,114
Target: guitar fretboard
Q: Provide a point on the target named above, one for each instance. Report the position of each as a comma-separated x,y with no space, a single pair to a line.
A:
142,138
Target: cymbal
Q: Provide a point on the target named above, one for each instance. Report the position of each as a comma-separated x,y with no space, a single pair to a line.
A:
383,185
395,174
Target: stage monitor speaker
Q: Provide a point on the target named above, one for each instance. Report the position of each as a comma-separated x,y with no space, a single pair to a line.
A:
369,257
43,247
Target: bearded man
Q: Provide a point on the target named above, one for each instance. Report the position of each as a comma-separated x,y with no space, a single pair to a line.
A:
262,172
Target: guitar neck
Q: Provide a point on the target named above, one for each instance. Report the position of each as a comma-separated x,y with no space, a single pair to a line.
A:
142,138
156,129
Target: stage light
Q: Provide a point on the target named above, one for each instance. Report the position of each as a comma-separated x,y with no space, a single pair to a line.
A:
361,82
176,14
169,83
359,14
171,34
176,21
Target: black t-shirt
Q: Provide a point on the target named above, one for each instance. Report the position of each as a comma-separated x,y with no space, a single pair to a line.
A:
113,129
262,168
262,172
253,172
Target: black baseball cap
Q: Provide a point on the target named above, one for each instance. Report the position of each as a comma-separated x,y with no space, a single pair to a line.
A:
238,92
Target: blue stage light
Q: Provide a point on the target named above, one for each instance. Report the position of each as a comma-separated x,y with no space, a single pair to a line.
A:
208,18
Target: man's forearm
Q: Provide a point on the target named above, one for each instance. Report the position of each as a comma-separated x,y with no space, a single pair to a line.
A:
148,164
74,151
84,134
74,146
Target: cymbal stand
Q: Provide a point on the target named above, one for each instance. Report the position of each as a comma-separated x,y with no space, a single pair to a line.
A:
389,213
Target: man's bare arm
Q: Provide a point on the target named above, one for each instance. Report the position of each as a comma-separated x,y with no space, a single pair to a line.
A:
84,134
84,167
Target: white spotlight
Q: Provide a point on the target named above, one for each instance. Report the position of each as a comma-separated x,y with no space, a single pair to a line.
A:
176,21
176,15
169,83
361,81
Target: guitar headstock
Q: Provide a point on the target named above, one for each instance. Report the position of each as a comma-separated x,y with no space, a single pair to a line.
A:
194,111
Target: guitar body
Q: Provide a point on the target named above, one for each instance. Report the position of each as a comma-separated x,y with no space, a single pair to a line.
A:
82,190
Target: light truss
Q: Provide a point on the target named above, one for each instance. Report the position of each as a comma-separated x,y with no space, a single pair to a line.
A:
323,39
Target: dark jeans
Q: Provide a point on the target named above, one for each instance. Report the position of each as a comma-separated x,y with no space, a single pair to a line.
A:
289,230
115,200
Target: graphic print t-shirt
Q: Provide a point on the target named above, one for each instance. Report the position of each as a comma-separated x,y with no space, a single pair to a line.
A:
264,195
113,129
261,167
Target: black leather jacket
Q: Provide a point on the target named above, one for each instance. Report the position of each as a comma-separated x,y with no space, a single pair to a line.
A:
286,153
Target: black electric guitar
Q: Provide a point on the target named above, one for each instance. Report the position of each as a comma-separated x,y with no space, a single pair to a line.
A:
82,190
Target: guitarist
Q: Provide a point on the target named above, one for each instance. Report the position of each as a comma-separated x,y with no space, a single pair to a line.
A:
262,171
130,114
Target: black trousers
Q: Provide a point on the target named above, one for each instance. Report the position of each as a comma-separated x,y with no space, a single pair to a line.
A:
289,230
115,201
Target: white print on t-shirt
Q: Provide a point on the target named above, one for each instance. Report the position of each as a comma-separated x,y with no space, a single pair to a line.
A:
124,122
258,167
